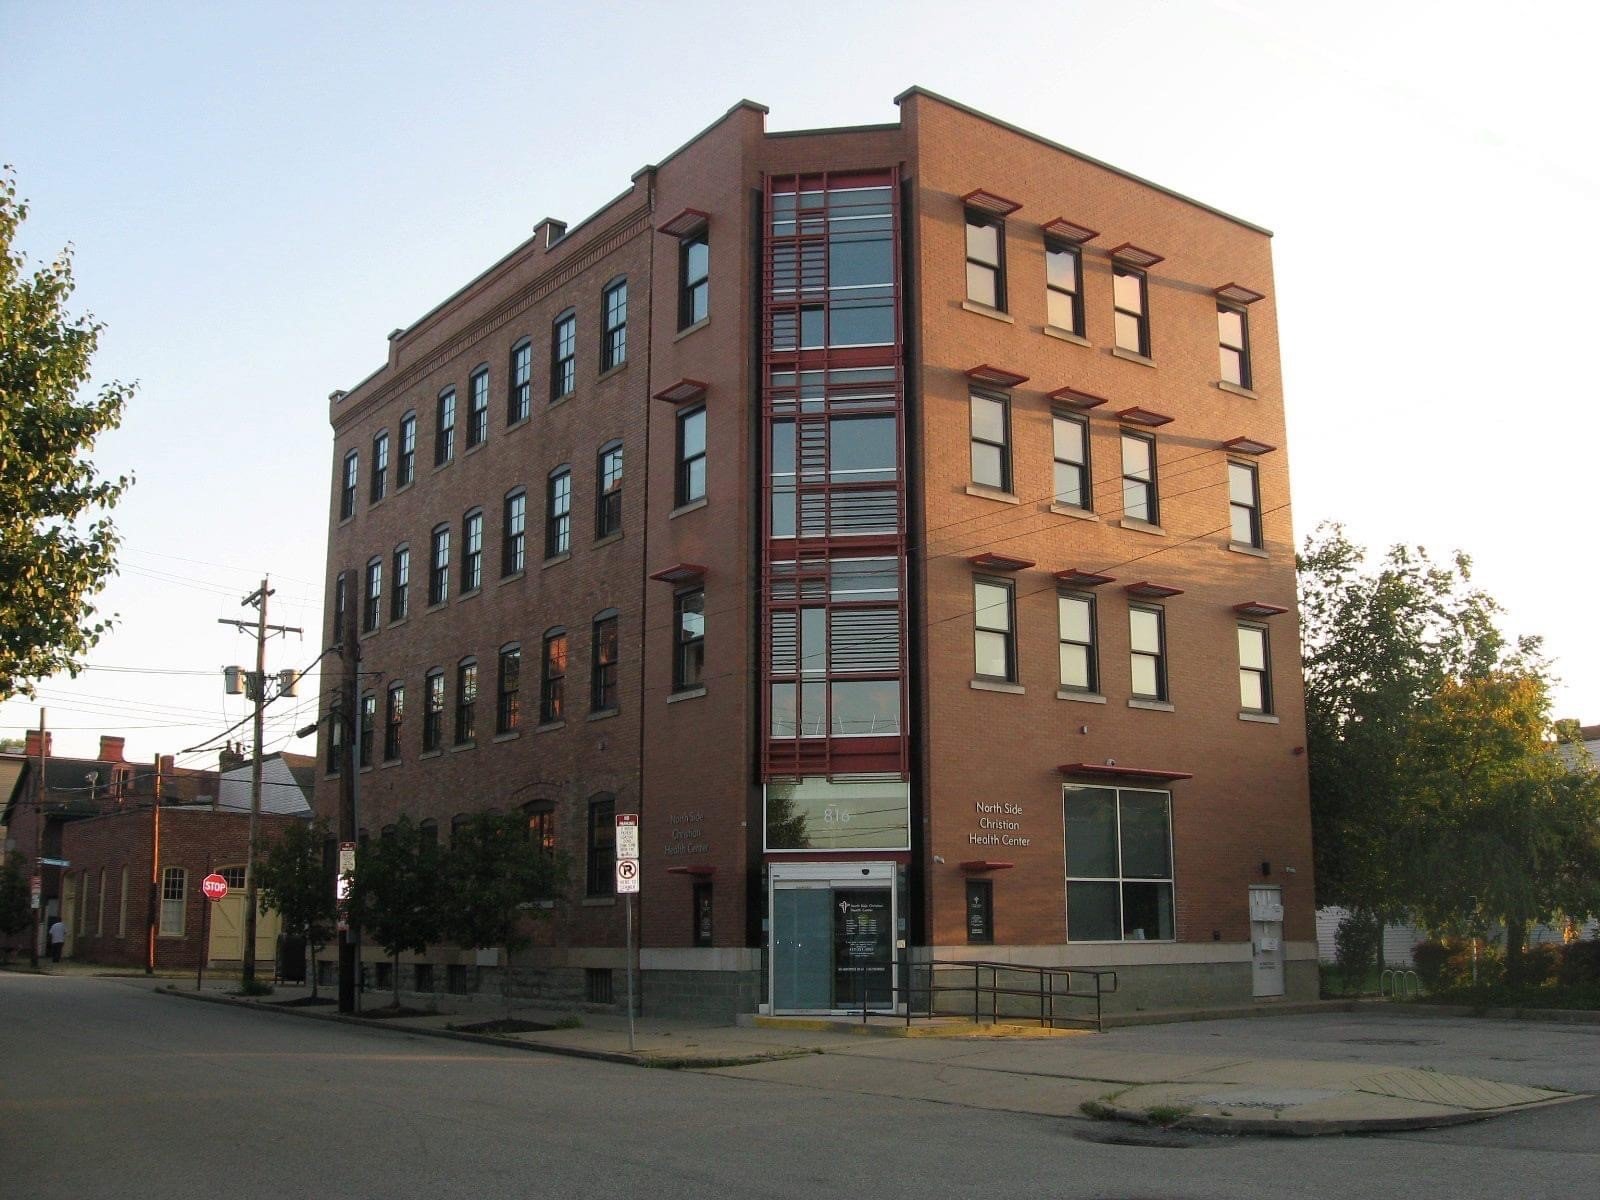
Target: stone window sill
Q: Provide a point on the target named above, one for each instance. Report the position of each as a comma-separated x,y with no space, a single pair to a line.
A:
1132,356
475,447
985,492
996,685
513,577
549,726
695,328
608,539
1246,548
1139,526
560,400
605,714
1152,705
1259,718
509,735
693,693
1080,697
692,506
1067,510
555,560
1065,335
612,371
1233,389
472,595
431,754
390,762
984,310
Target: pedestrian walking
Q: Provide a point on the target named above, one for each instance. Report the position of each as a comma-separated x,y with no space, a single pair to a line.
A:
58,939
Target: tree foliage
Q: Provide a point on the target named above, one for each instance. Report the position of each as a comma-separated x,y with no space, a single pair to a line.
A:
293,882
16,912
57,541
397,895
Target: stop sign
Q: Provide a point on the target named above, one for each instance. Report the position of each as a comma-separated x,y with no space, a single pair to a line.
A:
214,886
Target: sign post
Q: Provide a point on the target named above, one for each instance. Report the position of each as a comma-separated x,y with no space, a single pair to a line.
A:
627,846
214,887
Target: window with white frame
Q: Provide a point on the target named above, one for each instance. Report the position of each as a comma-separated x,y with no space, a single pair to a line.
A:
1080,668
1255,677
174,890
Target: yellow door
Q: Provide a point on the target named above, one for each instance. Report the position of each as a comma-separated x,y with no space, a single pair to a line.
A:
227,933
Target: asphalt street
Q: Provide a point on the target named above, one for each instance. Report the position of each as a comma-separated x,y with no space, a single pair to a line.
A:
109,1090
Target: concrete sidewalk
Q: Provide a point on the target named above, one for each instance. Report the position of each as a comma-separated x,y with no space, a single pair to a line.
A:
1005,1068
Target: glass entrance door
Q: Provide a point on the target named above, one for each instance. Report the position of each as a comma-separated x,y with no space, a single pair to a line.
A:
863,948
802,949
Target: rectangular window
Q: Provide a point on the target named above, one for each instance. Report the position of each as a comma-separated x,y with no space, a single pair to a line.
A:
604,650
519,397
444,428
1119,865
614,326
1255,676
1063,282
406,469
1140,501
986,275
467,702
372,609
689,640
1128,298
100,906
980,912
691,474
341,601
553,678
439,567
994,637
400,584
369,722
174,888
507,711
1233,345
608,492
600,875
1148,652
380,467
122,907
514,534
1244,505
991,441
347,489
563,356
394,713
1070,439
432,711
694,279
542,828
478,407
558,514
1080,667
471,552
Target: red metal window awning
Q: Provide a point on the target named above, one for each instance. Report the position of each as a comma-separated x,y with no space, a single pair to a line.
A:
984,864
1146,590
990,561
1259,609
1112,771
1134,256
679,573
989,202
995,376
688,221
1070,231
1077,398
1073,577
1245,445
1143,416
1236,293
682,392
700,870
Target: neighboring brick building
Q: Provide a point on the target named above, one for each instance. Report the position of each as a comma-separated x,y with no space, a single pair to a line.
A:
945,608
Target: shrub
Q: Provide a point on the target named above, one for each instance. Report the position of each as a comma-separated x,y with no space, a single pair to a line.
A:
1356,946
1580,964
1539,964
1446,964
1431,959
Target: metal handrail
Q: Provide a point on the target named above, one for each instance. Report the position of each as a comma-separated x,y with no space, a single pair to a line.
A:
1043,988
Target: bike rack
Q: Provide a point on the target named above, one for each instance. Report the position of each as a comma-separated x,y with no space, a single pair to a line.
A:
1399,983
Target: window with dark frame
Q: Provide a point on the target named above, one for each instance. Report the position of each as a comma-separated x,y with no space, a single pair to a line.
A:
507,711
1132,323
604,651
980,912
478,407
1119,864
400,583
542,826
1080,666
608,491
694,279
341,600
691,447
380,467
563,356
519,393
406,469
466,702
600,857
689,639
558,512
369,725
472,551
1255,675
372,608
1233,345
347,489
986,272
991,440
614,325
1063,282
1140,499
433,711
1147,647
514,534
439,566
444,428
1070,445
1244,504
553,677
994,630
394,712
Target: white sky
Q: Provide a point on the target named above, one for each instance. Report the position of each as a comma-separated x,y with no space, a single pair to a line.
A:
259,194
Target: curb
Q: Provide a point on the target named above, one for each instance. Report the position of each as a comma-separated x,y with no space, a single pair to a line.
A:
1557,1016
1312,1128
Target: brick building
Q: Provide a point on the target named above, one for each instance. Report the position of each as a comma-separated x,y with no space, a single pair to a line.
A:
897,519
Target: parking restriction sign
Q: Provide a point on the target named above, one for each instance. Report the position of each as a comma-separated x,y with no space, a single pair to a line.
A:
627,875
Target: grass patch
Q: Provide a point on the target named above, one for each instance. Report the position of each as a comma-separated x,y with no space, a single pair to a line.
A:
1097,1110
503,1025
1166,1114
570,1021
254,988
1334,985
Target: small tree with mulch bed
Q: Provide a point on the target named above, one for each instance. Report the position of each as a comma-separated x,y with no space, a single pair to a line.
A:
494,874
294,882
397,893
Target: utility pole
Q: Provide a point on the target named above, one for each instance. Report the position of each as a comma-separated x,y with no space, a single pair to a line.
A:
349,715
154,907
38,843
258,600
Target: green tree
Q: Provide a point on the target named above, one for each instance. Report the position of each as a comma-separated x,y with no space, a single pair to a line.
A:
495,873
294,883
16,914
57,541
397,895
